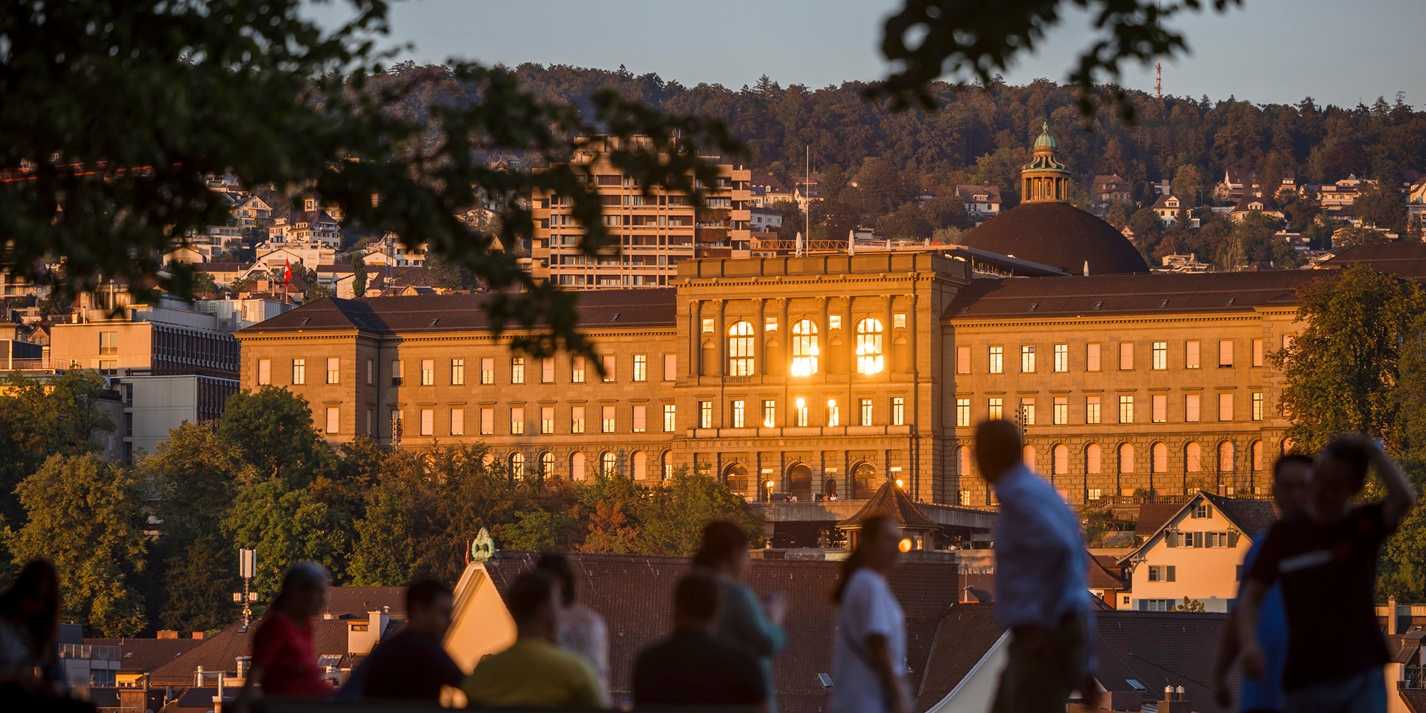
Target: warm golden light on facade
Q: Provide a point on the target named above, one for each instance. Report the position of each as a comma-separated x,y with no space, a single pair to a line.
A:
904,545
871,358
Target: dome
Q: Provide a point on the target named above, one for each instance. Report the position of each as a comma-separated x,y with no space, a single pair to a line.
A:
1060,235
1045,142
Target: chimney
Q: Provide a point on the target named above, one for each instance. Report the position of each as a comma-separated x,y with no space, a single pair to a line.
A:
1391,619
1175,701
166,634
198,677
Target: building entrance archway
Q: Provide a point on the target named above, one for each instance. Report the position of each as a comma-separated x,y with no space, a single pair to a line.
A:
738,480
799,482
864,481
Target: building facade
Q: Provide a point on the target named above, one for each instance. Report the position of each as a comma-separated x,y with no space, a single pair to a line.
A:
653,233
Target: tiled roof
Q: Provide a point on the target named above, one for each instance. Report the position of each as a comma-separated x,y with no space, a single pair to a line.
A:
890,501
1404,647
1104,573
963,636
633,595
1152,516
607,308
145,655
357,601
1252,515
1157,650
1401,257
1129,294
1415,699
221,651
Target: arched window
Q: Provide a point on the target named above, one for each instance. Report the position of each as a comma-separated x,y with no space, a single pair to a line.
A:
1256,453
1159,458
517,465
576,467
640,462
1027,454
871,357
608,464
742,354
1126,458
1192,458
805,348
666,465
547,465
1093,464
1059,461
1225,457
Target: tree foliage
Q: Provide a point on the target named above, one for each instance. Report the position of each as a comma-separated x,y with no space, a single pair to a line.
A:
83,514
273,432
43,418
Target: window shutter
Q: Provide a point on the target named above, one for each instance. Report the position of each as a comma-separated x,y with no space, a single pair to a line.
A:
1233,538
1171,538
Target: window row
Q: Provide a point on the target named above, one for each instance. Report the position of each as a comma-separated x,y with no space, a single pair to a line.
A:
1026,412
514,420
455,369
608,464
742,353
1158,356
738,414
1091,458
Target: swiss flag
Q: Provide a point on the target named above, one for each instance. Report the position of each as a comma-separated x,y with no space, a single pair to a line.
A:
287,272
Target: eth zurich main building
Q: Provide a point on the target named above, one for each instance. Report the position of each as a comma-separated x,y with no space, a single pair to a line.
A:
830,374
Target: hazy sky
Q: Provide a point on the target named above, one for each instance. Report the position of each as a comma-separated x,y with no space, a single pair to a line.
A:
1267,51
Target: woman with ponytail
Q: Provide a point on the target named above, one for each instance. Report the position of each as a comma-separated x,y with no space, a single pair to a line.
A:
869,653
741,621
283,658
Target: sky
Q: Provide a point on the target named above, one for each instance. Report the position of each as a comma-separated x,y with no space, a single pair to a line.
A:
1266,51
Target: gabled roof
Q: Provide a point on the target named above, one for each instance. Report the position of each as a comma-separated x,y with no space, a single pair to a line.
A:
890,501
1400,257
963,636
1152,516
357,601
1104,573
1252,516
606,308
1156,650
145,655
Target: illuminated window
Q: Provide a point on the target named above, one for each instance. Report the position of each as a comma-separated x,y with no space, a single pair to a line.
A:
264,372
1191,351
1160,408
1027,411
834,321
800,411
1225,353
1091,409
1061,358
997,360
641,367
608,361
428,421
670,418
547,419
1060,416
457,422
334,370
870,353
962,413
769,413
640,424
396,372
1257,405
299,371
1161,356
547,465
576,419
457,372
1191,406
898,410
608,464
487,370
739,413
742,355
1126,409
805,348
428,372
1027,359
866,414
576,370
995,407
517,420
517,370
834,414
608,421
517,465
705,414
334,419
576,467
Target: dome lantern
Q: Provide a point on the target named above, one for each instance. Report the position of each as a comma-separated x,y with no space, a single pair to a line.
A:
1044,179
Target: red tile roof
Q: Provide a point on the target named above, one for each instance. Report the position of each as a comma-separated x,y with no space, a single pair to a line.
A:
1165,293
963,636
1157,650
145,655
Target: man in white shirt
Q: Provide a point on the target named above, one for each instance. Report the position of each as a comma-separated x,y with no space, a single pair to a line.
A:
1041,593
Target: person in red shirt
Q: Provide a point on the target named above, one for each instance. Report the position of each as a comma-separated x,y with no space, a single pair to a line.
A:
284,661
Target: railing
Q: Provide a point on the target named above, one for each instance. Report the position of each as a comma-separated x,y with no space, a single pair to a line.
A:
104,652
1414,677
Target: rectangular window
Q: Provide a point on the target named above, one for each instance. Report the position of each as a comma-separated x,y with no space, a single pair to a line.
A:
487,370
1027,359
517,420
834,414
708,325
1160,405
770,324
370,372
428,422
1225,353
965,498
334,370
705,414
670,367
370,422
641,418
963,413
547,370
898,410
1161,356
799,413
1126,409
670,418
1027,411
487,421
108,342
609,361
457,422
1096,493
1091,409
458,372
769,413
1225,407
1061,415
1061,358
995,407
1257,405
1191,408
334,419
547,420
898,320
997,360
576,419
864,408
299,371
607,419
396,372
962,360
576,370
641,367
428,372
1258,352
517,370
739,413
1091,357
1126,356
264,372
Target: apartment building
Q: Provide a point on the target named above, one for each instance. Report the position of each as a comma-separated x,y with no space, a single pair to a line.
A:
651,234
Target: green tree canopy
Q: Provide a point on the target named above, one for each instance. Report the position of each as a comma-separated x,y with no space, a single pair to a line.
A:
40,418
272,431
83,514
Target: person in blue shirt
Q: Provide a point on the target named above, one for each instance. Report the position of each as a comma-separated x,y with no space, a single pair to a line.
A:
1292,475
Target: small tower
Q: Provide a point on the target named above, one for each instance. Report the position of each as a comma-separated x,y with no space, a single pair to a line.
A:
1044,179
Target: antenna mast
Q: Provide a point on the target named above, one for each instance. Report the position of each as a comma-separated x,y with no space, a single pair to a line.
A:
1159,80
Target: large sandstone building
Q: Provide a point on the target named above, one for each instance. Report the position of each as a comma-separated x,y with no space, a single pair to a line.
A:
829,374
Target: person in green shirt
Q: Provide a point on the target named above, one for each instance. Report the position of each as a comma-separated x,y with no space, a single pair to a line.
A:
534,671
